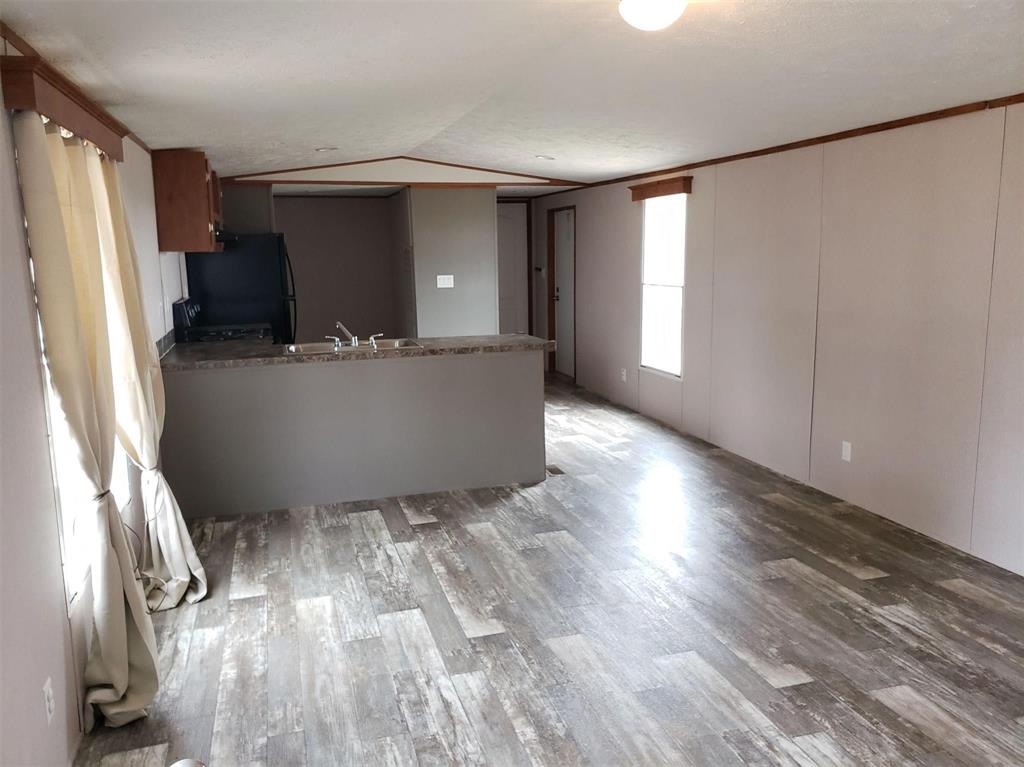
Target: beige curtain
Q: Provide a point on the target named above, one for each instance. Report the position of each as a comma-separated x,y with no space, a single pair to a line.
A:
170,567
65,244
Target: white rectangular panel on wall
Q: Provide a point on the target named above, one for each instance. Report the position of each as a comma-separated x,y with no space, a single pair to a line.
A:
140,208
171,269
765,285
998,524
908,220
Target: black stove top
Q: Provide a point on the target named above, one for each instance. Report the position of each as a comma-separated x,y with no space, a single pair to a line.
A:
227,332
189,326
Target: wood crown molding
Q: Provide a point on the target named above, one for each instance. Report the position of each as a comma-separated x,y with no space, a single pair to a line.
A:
30,83
545,180
941,114
410,184
140,143
15,41
662,188
247,177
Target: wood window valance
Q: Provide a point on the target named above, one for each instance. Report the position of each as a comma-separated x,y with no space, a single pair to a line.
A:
666,186
30,83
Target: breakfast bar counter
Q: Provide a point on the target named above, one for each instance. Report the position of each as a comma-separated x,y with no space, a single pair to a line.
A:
248,353
252,427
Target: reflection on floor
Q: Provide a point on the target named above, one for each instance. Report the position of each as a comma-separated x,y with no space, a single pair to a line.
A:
655,601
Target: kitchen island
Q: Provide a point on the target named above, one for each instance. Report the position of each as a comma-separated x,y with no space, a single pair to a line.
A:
251,427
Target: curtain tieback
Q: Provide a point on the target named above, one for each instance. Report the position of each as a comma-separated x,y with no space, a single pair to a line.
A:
101,496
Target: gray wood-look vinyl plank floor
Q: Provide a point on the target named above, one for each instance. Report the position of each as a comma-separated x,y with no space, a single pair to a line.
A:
656,600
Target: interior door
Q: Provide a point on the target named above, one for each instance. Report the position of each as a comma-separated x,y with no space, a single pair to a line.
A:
565,291
513,276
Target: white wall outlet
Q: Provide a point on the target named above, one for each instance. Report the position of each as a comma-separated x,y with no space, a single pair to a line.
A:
622,374
446,280
48,700
847,451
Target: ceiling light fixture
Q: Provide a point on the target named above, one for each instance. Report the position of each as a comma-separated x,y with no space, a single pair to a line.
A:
325,149
544,157
651,15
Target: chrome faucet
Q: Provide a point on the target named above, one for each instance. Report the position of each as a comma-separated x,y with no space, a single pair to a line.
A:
337,342
373,340
354,340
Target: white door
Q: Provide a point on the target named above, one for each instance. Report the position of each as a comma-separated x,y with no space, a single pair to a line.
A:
512,269
565,291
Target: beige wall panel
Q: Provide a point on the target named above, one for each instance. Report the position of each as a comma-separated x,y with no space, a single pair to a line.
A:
908,221
765,282
998,530
659,397
700,268
609,228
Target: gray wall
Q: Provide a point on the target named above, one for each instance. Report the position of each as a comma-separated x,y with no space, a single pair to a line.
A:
513,267
35,640
258,438
343,254
909,343
248,208
455,232
402,253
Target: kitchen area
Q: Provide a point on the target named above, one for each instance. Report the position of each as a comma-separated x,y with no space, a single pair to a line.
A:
344,341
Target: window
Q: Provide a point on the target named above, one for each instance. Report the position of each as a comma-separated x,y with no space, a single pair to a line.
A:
664,260
71,492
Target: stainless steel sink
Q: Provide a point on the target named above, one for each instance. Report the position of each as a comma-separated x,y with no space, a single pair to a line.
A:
327,347
323,347
390,343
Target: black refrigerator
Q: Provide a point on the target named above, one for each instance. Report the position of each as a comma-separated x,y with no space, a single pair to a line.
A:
248,283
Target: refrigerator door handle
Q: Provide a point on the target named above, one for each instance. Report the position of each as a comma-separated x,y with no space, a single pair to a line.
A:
290,297
291,276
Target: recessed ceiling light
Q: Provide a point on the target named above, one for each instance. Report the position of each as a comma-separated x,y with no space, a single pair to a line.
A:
651,15
544,157
326,149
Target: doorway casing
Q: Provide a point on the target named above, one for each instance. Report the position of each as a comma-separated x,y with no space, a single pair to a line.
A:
552,335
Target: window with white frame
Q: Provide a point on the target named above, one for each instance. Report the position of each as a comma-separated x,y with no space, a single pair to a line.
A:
664,267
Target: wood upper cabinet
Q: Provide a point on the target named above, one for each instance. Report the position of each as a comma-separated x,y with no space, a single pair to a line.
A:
187,200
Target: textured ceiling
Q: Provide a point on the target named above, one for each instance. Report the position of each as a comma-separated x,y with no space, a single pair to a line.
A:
493,83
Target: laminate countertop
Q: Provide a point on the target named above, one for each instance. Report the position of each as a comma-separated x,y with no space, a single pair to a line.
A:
250,353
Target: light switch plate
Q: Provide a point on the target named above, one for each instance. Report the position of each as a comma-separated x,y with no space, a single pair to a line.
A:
847,451
446,280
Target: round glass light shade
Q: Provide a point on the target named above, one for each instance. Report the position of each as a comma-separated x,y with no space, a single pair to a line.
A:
651,15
